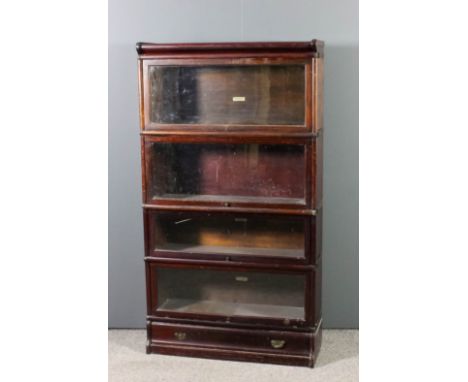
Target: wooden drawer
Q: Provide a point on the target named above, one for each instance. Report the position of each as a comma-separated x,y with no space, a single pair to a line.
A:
230,343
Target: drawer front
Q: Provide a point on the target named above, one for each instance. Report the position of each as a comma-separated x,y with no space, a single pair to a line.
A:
230,295
229,338
230,237
222,95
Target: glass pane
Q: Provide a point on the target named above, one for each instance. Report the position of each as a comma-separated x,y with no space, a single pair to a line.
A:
239,95
229,293
223,234
230,172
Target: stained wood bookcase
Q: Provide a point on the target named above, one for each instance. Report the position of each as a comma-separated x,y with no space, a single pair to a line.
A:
231,147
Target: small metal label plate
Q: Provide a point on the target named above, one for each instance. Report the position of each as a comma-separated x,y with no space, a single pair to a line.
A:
242,278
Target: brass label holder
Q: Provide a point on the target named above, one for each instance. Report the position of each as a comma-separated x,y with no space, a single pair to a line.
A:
180,336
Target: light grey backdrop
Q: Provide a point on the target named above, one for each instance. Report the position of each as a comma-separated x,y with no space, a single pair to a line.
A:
335,22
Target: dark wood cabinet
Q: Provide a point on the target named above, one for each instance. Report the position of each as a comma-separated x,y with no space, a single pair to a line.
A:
231,144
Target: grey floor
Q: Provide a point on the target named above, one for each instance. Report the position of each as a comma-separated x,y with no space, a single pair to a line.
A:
338,361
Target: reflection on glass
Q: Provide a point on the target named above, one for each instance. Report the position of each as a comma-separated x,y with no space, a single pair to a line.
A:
230,293
223,234
227,172
252,95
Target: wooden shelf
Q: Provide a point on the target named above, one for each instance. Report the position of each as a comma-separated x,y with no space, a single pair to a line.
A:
231,309
223,251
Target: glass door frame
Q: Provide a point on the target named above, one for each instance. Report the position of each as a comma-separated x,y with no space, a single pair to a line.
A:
144,87
312,247
310,153
274,322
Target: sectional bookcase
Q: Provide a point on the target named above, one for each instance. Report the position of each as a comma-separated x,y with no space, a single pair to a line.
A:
231,147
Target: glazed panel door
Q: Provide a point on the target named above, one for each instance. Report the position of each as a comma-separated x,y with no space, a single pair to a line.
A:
228,236
229,295
226,172
242,94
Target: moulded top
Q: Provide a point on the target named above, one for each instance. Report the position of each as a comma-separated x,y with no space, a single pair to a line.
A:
313,47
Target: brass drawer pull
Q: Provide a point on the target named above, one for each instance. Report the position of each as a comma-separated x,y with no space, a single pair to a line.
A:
277,344
180,335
